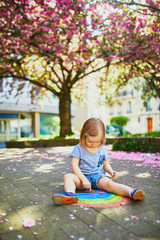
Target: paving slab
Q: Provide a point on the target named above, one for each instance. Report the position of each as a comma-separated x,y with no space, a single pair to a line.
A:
29,177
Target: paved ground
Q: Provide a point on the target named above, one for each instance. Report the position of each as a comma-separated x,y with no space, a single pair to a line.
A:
29,177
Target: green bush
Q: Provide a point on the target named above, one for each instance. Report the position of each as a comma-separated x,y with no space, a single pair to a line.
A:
120,120
152,134
134,145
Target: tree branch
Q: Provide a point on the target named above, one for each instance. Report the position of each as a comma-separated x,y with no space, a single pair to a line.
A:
77,77
133,3
39,84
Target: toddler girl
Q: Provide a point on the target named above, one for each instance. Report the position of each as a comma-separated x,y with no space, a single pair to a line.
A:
89,164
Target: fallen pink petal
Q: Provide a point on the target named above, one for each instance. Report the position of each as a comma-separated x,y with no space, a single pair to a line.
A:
3,214
29,223
146,159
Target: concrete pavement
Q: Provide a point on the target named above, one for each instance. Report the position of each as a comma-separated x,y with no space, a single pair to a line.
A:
29,177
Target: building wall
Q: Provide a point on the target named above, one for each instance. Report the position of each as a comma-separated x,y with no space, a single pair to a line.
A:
132,107
81,113
93,106
128,103
21,118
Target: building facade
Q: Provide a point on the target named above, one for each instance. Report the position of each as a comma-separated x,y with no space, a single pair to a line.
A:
21,118
142,119
128,103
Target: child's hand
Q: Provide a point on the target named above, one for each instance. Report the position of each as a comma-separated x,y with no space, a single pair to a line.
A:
87,185
114,174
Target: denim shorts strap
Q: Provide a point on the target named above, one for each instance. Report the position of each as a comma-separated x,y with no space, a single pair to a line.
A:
93,179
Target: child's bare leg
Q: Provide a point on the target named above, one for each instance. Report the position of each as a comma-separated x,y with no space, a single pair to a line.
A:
108,185
71,182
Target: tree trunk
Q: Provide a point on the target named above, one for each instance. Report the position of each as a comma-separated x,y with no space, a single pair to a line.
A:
65,114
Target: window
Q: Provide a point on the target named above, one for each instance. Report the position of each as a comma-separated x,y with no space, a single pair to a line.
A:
148,107
1,86
119,109
129,108
13,126
111,110
2,126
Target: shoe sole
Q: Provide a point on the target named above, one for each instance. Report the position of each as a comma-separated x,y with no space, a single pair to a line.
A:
139,195
60,200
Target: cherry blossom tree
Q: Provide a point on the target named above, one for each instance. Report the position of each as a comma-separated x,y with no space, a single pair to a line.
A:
52,44
136,39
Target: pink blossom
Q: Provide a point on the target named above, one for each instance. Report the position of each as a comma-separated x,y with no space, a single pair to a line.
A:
29,222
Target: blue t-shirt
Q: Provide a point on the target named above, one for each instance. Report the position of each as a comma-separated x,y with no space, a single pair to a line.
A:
90,163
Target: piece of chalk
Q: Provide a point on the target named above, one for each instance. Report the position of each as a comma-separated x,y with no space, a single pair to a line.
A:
116,176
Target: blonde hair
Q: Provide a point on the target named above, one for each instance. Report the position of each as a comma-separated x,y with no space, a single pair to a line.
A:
92,127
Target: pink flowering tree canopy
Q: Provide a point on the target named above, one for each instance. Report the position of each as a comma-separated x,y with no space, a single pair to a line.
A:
53,44
136,37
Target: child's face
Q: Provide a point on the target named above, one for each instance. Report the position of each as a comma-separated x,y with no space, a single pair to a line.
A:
93,141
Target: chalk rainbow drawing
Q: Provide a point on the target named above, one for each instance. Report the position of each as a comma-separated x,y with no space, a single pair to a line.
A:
101,199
